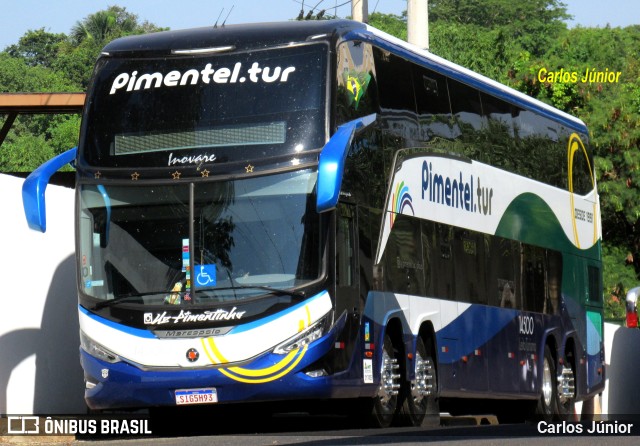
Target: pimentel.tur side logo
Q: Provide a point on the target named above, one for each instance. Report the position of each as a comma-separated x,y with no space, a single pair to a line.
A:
462,191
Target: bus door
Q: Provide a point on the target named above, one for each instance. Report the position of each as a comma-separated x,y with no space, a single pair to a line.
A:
347,279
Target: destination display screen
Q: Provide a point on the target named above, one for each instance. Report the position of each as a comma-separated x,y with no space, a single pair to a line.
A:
217,107
235,135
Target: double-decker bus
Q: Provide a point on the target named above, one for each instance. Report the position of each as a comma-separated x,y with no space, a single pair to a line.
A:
318,210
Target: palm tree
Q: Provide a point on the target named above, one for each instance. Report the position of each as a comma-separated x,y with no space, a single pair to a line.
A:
105,25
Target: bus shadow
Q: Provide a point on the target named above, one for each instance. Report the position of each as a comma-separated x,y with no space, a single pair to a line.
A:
59,383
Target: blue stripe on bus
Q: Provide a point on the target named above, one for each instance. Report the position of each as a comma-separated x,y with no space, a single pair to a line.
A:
266,320
493,321
125,329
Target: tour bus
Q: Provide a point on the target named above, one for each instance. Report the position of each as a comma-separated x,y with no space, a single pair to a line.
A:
320,211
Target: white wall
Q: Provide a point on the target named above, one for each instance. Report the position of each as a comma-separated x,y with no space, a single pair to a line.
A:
40,371
39,361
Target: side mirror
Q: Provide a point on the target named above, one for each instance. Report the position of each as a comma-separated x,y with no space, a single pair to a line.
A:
332,158
632,307
34,186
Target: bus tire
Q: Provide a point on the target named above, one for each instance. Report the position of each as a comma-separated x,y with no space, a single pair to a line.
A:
420,396
385,402
547,404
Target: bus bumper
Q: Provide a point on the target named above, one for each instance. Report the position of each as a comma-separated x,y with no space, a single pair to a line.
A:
269,377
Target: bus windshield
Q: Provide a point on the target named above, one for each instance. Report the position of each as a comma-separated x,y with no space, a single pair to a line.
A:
225,107
139,244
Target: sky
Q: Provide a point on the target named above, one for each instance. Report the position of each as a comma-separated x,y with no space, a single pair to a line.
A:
58,16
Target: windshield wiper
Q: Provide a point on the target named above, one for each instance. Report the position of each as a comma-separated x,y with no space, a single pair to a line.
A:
300,294
108,303
124,297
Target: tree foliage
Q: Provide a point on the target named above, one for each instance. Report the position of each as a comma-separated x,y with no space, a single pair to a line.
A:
106,25
37,48
46,62
390,23
530,23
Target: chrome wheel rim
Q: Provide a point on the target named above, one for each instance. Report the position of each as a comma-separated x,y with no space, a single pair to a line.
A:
389,380
423,385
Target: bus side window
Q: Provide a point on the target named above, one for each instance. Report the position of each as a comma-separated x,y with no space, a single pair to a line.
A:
595,290
554,281
502,285
404,267
427,253
432,103
443,262
356,92
469,269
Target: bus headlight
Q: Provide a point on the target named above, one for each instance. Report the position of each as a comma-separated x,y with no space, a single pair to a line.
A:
94,349
306,337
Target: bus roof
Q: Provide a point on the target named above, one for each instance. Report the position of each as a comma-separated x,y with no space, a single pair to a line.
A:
264,35
245,36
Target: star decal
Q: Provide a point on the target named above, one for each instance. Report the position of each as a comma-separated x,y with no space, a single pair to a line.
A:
249,168
135,176
205,173
176,175
97,175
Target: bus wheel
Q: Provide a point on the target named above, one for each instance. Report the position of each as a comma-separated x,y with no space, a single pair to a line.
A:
420,396
385,402
548,398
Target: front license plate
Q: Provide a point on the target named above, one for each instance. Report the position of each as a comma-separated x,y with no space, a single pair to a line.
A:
196,396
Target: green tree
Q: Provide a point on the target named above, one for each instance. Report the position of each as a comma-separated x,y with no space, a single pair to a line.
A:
29,143
109,24
64,133
531,24
77,55
76,61
24,153
37,48
390,23
485,51
619,276
16,75
46,62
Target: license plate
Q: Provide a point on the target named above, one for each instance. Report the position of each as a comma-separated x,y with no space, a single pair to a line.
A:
196,396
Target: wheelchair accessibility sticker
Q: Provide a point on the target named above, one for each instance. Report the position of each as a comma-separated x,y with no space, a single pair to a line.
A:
205,275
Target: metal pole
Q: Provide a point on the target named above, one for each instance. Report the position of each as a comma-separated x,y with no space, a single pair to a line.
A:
360,10
418,23
7,126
